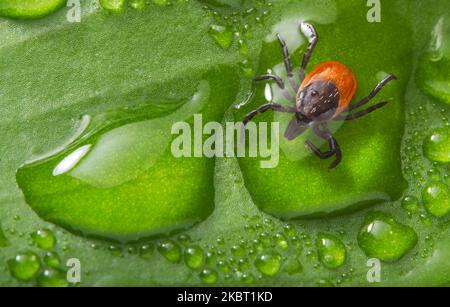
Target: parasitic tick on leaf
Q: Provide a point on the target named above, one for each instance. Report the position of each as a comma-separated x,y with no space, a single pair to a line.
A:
323,95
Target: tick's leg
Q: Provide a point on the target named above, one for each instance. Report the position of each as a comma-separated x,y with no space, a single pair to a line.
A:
373,93
361,113
265,107
313,38
279,82
334,148
287,63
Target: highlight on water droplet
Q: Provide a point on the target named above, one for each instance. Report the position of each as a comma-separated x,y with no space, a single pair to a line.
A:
24,266
331,251
436,198
436,146
382,237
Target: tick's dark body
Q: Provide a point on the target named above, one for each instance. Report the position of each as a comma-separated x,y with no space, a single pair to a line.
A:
323,95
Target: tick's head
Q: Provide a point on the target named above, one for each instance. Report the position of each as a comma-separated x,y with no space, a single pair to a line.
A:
318,100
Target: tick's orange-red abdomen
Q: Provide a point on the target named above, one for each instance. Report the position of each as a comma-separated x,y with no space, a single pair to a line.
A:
341,76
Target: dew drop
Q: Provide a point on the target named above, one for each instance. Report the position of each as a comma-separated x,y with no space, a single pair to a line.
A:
331,251
194,257
222,35
384,238
137,4
52,260
436,198
410,204
268,263
146,250
208,276
24,266
170,250
44,238
51,277
113,6
436,146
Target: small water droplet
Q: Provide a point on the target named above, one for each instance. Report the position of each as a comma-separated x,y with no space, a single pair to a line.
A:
52,260
268,263
208,276
436,146
410,204
44,238
51,277
331,251
146,250
436,198
113,6
222,35
194,257
170,250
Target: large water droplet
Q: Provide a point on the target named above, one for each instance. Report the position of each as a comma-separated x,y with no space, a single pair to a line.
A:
436,198
331,250
436,146
384,238
52,277
24,266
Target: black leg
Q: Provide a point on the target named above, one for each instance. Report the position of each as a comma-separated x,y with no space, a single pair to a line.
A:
373,93
361,113
313,38
287,62
275,78
265,107
334,148
280,84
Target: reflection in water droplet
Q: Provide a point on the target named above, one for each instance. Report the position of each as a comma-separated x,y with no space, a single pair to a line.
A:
71,160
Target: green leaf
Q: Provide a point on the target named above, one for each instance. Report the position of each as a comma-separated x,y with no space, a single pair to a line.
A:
138,71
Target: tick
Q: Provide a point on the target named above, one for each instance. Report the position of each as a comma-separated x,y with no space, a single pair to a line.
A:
323,95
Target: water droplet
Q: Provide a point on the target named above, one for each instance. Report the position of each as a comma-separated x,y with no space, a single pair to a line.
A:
436,198
44,239
410,204
293,266
24,266
193,257
208,276
281,241
384,238
223,266
146,250
436,146
137,4
222,35
113,6
52,260
268,263
237,251
331,251
170,250
51,277
184,239
29,9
